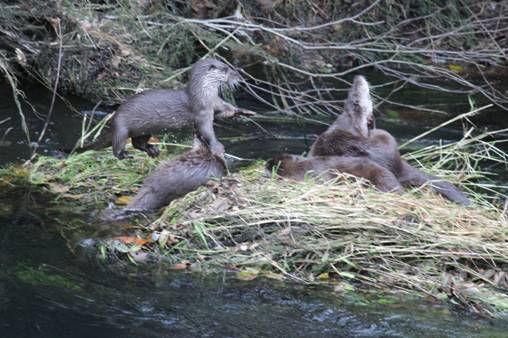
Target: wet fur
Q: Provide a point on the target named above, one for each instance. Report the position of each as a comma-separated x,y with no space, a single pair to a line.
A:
177,177
161,110
297,167
350,136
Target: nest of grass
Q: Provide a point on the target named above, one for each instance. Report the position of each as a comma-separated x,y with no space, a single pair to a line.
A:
341,232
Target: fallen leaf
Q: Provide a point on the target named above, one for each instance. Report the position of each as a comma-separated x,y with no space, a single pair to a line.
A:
75,197
58,188
123,200
247,275
140,256
131,240
324,276
456,68
179,266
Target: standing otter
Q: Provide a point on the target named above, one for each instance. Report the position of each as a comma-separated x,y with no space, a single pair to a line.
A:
297,167
160,110
354,134
177,177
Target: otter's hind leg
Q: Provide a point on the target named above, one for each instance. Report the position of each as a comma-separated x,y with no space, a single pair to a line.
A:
380,177
383,179
141,143
120,136
411,176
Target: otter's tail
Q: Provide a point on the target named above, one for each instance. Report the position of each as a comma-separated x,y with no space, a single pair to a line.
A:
103,140
99,137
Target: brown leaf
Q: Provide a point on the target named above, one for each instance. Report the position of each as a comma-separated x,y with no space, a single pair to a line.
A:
123,200
75,197
179,266
131,240
58,188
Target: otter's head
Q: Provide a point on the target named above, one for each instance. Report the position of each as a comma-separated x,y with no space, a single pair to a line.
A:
358,109
213,74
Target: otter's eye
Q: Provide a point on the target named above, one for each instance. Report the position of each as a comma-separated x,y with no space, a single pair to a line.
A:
212,67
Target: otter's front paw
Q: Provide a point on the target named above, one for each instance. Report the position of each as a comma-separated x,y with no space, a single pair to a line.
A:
152,151
217,149
244,112
123,154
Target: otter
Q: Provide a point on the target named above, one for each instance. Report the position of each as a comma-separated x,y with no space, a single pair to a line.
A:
160,110
354,134
177,177
297,167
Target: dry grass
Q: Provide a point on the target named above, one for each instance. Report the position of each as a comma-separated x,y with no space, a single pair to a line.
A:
341,232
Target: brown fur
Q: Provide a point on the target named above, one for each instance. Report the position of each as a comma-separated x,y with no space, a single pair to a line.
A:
177,177
346,138
297,167
161,110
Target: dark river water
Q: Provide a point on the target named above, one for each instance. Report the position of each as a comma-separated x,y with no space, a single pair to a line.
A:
48,291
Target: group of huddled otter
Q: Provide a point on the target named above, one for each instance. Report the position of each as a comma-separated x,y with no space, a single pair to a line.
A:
351,144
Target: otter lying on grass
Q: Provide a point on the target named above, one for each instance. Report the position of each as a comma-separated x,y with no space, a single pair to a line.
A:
353,145
177,177
173,179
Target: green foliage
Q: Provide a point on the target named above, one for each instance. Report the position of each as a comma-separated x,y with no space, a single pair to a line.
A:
43,276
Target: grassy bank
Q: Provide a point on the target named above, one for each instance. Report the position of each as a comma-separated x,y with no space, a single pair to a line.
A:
341,233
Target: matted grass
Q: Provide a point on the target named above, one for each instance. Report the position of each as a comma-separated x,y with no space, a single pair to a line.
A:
341,232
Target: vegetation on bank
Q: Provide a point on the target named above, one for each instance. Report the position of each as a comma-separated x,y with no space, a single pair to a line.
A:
296,55
342,233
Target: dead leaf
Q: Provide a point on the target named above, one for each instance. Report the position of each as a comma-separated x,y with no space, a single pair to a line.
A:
324,276
456,68
123,200
131,240
247,275
179,266
58,188
75,197
140,256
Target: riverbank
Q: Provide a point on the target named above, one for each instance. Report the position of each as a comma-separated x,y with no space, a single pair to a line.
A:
105,52
341,233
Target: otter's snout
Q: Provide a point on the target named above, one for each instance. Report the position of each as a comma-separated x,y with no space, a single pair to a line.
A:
234,77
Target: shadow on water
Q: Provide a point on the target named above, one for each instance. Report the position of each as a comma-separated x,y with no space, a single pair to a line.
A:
47,291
